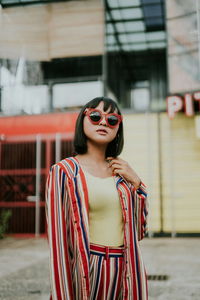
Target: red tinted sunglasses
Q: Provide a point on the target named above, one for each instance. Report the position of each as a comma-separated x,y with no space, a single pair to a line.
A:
95,116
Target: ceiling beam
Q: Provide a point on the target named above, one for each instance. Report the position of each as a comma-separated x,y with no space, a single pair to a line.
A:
26,3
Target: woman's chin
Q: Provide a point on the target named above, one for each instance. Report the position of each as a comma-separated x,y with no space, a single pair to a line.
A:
100,140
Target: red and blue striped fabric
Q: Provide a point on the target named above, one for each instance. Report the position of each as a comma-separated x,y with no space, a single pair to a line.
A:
106,266
67,218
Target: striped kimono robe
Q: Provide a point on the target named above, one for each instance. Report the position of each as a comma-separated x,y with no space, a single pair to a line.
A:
68,233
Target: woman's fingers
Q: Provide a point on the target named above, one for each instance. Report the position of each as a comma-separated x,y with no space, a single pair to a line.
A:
114,165
119,164
117,172
122,168
115,161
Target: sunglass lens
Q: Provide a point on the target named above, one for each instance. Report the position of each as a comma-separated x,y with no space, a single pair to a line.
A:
95,116
113,120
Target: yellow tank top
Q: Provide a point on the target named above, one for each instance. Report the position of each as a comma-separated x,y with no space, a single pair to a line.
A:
105,213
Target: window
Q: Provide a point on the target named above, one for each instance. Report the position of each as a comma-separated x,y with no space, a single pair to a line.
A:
140,97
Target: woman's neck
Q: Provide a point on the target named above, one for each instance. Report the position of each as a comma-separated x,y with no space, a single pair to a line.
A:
96,152
94,162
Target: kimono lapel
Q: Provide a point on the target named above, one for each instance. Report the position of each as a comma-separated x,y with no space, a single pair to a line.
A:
131,278
79,202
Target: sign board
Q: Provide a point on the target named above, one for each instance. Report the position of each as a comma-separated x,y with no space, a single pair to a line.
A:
178,103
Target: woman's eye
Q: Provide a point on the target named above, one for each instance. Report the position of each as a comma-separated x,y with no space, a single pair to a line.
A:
95,116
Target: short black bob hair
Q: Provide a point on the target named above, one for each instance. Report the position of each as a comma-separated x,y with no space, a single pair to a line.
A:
115,147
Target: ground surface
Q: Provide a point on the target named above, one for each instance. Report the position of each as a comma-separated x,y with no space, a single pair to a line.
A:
24,268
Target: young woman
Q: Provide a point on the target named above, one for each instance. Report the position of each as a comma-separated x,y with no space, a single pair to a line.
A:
96,210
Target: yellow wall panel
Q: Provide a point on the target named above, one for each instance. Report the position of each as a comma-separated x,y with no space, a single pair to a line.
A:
141,151
180,168
181,174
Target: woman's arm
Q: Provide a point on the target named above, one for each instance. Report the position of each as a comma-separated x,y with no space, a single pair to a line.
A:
140,209
138,190
56,197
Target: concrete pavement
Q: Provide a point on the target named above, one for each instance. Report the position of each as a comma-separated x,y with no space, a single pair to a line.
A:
24,268
179,258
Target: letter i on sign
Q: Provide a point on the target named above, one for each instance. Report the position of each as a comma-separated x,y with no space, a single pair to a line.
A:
189,108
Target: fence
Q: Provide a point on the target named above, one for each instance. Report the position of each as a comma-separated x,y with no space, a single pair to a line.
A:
24,166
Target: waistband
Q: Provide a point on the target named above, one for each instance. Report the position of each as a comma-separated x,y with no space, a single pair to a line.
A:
106,250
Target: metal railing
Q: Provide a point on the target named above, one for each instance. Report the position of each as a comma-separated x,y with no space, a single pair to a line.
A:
24,166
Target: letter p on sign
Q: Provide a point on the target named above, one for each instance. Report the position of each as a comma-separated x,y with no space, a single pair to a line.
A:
174,104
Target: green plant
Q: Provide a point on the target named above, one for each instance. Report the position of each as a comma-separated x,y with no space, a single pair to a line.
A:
4,217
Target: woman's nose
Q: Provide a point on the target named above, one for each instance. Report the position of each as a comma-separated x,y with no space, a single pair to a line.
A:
103,121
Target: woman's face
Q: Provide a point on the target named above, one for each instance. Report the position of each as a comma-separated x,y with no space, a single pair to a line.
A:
100,133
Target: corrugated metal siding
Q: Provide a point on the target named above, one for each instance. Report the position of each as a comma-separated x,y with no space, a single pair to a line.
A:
180,168
181,163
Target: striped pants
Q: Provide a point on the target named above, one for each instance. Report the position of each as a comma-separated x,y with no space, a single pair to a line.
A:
106,265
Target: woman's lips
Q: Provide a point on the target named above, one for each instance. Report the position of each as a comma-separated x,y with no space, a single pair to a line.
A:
102,131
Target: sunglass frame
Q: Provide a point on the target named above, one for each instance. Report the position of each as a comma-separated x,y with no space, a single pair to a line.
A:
89,110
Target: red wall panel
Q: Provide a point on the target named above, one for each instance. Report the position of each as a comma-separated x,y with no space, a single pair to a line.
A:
33,124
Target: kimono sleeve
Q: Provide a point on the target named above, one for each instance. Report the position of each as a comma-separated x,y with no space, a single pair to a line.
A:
59,263
140,209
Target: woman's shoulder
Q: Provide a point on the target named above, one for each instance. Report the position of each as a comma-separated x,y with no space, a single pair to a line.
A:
69,165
